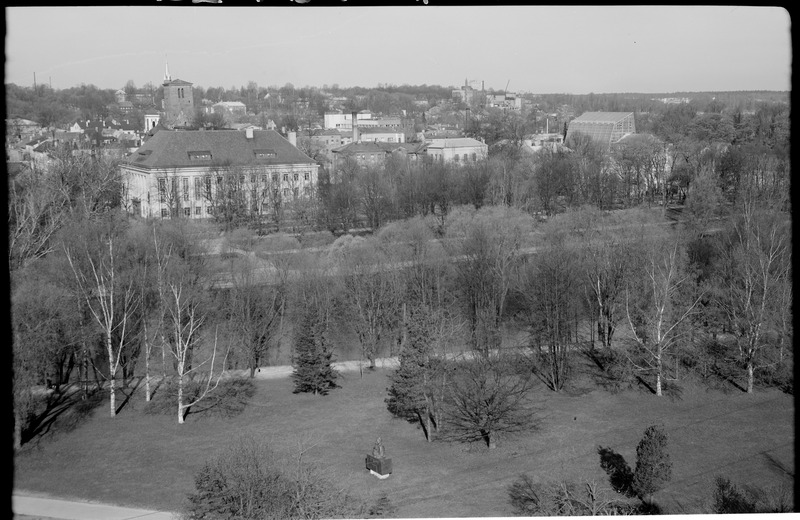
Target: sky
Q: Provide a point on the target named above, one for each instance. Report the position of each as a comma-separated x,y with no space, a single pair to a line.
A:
538,49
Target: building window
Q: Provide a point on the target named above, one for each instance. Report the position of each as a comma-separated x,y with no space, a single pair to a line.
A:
474,157
208,210
456,158
208,187
264,180
198,210
306,176
295,192
164,212
162,189
185,186
466,158
285,192
274,177
204,155
285,177
187,212
265,154
253,179
296,177
198,188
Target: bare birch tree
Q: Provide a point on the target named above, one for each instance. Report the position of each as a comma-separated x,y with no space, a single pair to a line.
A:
756,263
112,301
656,322
185,319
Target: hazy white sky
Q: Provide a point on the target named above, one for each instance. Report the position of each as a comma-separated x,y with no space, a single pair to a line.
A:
540,49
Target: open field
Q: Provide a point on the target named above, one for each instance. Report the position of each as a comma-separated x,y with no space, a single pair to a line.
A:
141,460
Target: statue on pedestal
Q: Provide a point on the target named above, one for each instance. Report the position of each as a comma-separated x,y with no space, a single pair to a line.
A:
378,451
377,463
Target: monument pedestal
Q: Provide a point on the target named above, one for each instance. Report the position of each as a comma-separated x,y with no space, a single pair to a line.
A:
380,467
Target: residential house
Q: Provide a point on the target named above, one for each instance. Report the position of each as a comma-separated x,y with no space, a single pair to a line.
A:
178,172
126,107
381,134
373,153
230,109
19,129
456,150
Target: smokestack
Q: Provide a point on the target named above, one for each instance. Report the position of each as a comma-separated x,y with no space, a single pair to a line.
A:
292,137
354,116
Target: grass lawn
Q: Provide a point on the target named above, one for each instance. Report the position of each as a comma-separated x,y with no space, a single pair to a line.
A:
147,461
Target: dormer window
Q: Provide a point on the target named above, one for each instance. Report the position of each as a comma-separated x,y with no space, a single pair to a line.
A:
142,155
200,156
265,154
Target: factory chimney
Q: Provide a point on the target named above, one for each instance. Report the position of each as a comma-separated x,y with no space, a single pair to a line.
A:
354,115
292,137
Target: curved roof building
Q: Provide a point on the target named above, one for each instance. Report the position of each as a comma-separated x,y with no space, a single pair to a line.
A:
605,128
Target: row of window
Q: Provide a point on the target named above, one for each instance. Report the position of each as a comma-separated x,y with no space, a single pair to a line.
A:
200,181
466,157
198,210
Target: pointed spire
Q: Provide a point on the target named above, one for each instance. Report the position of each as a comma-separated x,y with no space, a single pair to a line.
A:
167,77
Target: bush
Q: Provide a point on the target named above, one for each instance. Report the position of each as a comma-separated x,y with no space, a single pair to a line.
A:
563,498
247,481
653,465
228,399
729,498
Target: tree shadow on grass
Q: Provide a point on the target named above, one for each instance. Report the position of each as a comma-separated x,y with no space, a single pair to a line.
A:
779,466
618,470
61,412
127,391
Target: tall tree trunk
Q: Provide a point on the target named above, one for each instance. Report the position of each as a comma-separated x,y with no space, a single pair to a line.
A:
658,376
111,383
750,371
17,429
180,390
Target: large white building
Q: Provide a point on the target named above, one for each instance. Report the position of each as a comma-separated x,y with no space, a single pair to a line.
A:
177,172
458,150
344,121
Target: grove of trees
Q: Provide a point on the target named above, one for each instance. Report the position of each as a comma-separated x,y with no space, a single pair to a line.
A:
481,279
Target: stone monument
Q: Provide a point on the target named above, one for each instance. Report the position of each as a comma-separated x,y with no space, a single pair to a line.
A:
377,463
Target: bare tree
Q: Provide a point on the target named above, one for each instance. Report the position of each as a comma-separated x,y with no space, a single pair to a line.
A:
255,306
486,244
552,296
487,397
112,300
370,284
185,318
756,263
656,322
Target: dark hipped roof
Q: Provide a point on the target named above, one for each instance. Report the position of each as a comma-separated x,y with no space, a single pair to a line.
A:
170,149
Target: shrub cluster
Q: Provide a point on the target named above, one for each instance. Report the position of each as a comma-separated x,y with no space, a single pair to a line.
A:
248,482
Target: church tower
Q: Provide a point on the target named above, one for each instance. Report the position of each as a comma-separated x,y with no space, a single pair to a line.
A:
178,101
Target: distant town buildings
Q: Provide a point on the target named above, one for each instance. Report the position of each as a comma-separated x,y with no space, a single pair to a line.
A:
673,100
